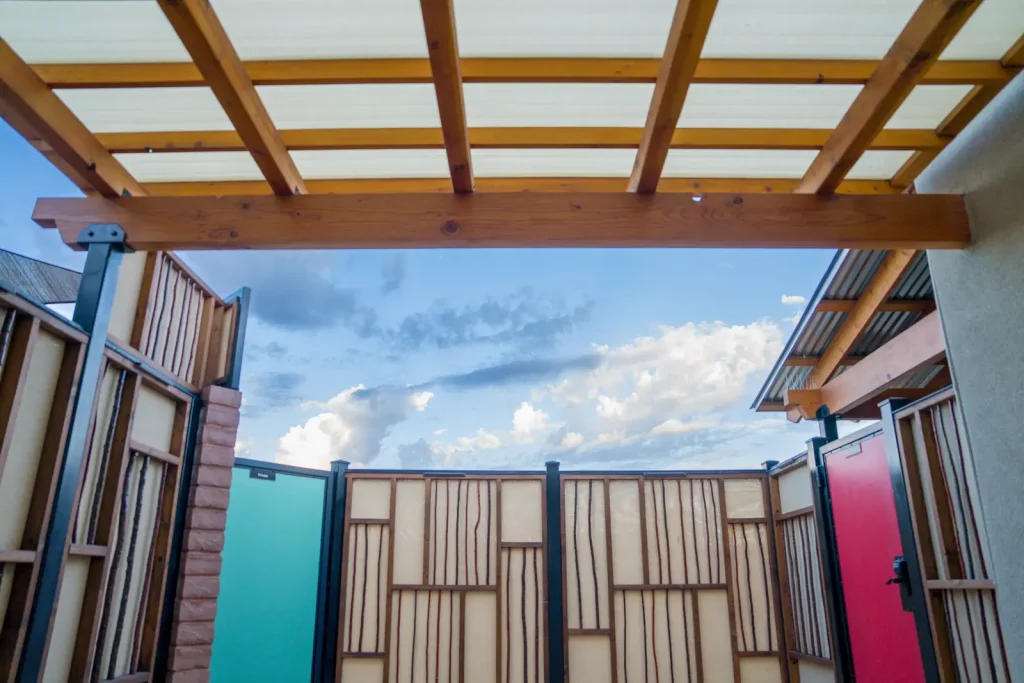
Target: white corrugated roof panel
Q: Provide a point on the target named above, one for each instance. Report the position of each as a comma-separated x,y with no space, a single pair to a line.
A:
130,110
554,163
875,164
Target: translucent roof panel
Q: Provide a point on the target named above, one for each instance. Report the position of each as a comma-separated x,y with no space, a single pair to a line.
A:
557,104
379,105
554,163
737,163
50,31
188,166
877,164
129,110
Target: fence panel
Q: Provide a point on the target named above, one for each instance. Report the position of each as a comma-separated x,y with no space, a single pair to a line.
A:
669,578
443,579
809,648
40,361
951,542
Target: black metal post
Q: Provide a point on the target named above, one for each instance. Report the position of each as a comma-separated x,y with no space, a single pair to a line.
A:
233,378
908,539
188,458
835,604
555,611
827,427
329,589
92,312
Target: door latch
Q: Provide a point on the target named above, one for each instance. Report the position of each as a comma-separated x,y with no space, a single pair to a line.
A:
901,577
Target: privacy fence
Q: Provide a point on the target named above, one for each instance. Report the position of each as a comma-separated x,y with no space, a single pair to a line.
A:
97,422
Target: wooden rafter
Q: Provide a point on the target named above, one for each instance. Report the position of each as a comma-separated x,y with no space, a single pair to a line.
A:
214,56
509,138
686,37
918,46
32,109
518,70
443,48
219,188
877,291
964,112
618,219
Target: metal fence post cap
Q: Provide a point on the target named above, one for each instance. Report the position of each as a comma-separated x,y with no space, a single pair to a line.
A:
552,465
103,233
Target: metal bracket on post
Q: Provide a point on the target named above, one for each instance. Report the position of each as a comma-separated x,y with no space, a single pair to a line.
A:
325,636
827,427
105,244
553,557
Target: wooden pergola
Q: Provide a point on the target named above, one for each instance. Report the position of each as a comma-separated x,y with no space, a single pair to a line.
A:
821,205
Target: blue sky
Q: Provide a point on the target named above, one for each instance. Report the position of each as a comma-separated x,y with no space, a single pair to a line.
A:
491,358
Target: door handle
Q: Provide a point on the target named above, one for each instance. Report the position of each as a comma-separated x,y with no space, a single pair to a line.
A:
901,577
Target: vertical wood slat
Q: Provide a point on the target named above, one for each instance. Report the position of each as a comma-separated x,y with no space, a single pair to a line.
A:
730,589
153,602
389,582
15,376
782,578
38,518
88,649
772,576
147,301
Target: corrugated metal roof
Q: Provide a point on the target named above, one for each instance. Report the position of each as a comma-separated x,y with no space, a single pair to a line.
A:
846,278
38,280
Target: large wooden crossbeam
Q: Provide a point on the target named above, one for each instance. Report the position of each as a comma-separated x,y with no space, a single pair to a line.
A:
929,31
443,48
682,54
517,70
44,120
221,188
617,219
538,137
919,346
214,56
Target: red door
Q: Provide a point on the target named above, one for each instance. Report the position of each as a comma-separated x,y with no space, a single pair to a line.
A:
883,638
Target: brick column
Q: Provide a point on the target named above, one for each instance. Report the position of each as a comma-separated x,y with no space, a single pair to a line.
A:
195,609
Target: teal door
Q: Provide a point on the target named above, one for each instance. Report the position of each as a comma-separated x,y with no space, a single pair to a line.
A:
266,612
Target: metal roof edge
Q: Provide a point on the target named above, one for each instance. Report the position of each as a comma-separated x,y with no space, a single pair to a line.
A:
805,318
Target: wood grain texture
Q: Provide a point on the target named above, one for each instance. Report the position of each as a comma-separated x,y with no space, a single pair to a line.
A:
516,184
33,110
538,137
930,29
518,70
515,220
213,54
443,48
885,279
686,37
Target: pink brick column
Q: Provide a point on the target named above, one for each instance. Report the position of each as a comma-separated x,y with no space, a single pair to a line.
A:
195,609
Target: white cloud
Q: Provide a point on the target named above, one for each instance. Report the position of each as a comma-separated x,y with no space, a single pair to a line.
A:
481,440
528,423
572,439
793,300
350,428
674,426
792,320
686,371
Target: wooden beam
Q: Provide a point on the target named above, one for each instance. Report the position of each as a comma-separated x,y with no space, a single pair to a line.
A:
538,184
1014,57
515,70
614,219
890,306
507,138
445,69
811,361
877,291
918,46
32,109
206,41
918,346
686,37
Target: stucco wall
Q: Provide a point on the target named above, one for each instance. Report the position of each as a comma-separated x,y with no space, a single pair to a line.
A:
980,293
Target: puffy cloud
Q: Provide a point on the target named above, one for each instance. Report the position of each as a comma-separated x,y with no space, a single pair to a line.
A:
351,427
481,440
528,423
571,440
685,371
674,426
793,300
